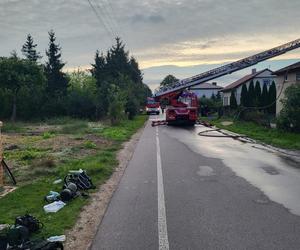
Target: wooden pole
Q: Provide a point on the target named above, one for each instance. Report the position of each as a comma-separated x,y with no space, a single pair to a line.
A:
1,157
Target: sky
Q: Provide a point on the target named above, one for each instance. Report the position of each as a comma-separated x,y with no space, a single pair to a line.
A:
180,37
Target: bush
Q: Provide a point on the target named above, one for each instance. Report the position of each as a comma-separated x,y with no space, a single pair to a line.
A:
289,118
256,117
116,106
131,107
209,105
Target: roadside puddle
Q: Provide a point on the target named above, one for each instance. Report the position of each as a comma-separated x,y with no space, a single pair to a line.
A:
274,176
205,171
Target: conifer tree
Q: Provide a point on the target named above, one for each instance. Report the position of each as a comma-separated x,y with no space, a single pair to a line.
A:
99,68
233,103
251,94
57,82
117,60
264,96
213,97
99,71
257,99
135,73
29,50
244,96
272,98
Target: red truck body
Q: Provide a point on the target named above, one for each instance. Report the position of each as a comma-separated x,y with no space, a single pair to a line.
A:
182,108
152,106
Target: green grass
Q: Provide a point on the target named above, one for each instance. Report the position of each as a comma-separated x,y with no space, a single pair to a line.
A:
75,127
13,127
124,130
89,145
48,135
29,198
25,155
270,136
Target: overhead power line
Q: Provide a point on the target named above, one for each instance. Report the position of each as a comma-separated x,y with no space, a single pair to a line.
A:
110,33
105,17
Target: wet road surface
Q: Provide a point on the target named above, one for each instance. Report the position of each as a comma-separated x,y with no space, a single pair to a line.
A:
185,191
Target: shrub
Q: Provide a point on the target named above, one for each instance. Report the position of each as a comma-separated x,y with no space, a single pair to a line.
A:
256,117
48,135
289,118
131,107
90,145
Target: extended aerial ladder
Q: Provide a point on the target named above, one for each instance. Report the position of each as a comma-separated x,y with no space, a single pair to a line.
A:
226,69
187,111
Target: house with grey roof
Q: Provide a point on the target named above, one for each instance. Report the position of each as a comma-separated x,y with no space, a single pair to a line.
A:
206,89
265,76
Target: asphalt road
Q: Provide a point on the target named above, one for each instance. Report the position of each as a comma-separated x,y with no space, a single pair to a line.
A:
185,191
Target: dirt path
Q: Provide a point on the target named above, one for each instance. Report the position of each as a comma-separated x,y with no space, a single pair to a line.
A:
82,234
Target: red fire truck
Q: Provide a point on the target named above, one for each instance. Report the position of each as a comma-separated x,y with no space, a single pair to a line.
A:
152,106
183,105
182,108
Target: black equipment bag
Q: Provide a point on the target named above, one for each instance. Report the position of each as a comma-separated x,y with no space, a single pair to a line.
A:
82,180
30,222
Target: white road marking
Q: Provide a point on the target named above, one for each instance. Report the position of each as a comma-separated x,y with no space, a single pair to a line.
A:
162,220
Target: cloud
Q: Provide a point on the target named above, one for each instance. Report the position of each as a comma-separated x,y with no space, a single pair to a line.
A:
157,32
136,19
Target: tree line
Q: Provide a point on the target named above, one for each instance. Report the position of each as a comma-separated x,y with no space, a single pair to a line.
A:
29,89
254,97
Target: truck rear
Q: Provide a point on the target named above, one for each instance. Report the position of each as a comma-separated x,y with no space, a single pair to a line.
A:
152,107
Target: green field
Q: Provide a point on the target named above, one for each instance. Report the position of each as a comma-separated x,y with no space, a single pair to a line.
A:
270,136
39,160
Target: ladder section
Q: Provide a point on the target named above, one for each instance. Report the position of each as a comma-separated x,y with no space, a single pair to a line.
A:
227,69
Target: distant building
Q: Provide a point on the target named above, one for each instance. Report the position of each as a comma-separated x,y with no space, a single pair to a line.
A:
286,77
263,77
206,89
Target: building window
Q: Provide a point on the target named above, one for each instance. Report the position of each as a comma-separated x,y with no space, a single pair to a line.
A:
298,76
286,77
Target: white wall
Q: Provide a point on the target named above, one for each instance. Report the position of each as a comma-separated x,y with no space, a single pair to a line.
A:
226,99
207,92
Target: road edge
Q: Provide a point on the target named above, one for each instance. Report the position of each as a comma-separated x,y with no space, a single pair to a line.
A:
82,234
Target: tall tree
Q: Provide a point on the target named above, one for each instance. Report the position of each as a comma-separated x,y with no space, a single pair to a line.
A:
100,72
117,69
233,102
244,96
99,67
169,79
213,97
272,98
29,50
136,74
117,60
264,96
257,90
251,94
15,74
57,80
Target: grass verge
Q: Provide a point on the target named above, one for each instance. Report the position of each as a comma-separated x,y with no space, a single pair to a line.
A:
270,136
124,130
29,198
